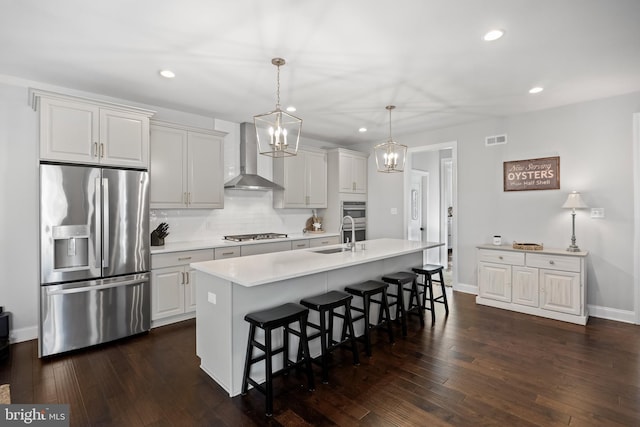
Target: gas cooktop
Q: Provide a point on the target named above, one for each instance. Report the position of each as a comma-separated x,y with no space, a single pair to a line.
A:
259,236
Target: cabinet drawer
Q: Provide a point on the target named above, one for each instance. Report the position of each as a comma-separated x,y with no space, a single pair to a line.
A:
299,244
325,241
554,262
265,248
501,257
232,252
180,258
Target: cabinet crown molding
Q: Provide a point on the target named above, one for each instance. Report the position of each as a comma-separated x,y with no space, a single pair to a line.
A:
36,94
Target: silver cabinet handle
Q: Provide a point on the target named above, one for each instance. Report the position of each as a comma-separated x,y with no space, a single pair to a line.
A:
227,253
300,245
101,150
185,198
184,258
95,149
551,262
182,282
500,257
187,274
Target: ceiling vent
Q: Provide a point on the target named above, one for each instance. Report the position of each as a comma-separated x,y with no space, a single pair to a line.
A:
495,140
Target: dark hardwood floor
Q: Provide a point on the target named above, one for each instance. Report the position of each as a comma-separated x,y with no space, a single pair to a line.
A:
479,366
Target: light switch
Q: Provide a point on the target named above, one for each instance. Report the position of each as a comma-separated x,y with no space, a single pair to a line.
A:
597,212
394,211
211,297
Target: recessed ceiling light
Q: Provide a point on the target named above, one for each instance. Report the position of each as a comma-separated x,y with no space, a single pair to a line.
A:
291,108
361,130
493,35
536,89
167,74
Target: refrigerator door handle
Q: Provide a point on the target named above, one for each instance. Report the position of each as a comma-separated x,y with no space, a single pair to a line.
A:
98,221
97,287
105,222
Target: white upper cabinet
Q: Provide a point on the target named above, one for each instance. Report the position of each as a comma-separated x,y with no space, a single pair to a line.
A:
186,167
304,178
90,132
352,170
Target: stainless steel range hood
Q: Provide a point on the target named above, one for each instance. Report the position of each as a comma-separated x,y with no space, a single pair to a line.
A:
249,178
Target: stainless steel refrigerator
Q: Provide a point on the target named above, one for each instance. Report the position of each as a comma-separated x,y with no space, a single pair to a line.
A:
94,256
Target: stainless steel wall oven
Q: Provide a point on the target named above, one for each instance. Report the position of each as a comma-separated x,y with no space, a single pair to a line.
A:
357,211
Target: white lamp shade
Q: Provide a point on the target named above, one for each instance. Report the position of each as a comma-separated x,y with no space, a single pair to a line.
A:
574,201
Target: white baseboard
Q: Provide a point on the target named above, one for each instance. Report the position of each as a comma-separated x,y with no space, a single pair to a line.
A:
23,334
612,314
467,289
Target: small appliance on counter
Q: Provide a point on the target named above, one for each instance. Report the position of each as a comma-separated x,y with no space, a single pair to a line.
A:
158,235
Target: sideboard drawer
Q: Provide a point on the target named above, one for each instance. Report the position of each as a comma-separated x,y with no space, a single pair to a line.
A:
501,257
554,262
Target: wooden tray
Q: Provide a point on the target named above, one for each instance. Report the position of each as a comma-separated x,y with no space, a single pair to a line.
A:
528,246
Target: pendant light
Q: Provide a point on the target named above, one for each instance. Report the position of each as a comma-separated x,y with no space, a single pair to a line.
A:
278,132
390,156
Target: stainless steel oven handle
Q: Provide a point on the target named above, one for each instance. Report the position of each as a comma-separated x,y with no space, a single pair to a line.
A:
96,287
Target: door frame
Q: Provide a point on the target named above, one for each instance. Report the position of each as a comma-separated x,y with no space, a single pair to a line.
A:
424,195
636,214
453,146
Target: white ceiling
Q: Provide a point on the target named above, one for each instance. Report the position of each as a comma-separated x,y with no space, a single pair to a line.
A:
346,59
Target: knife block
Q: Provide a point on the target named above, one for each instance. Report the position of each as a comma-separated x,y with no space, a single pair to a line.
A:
155,240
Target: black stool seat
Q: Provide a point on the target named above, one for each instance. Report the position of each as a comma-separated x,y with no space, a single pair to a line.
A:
366,290
276,316
414,306
281,316
429,271
326,305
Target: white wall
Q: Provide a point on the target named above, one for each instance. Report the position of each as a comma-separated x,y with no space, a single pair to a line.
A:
594,142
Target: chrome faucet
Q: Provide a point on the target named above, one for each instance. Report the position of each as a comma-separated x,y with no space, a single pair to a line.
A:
350,244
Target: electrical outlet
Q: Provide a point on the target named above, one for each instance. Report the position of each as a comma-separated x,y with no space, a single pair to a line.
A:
211,297
394,211
597,212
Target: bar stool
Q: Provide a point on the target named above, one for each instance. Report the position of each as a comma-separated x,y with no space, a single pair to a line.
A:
366,290
429,270
326,304
281,316
414,306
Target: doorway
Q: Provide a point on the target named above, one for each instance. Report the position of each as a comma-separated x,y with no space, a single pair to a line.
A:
437,209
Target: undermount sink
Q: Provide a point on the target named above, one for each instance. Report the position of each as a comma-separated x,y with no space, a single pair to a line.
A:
331,251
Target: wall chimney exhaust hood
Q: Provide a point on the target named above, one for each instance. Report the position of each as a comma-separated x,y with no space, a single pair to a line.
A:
249,178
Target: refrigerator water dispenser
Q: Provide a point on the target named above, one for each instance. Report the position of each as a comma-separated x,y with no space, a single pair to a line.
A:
70,247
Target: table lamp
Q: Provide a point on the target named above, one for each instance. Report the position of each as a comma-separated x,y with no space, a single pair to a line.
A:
574,201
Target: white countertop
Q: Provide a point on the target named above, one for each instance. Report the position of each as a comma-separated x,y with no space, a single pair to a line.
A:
220,242
267,268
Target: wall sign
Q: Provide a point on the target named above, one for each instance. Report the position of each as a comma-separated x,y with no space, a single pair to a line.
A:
532,174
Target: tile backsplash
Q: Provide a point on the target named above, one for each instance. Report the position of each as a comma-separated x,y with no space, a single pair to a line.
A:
244,212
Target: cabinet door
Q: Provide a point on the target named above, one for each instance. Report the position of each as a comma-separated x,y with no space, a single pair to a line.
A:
295,189
494,281
525,286
316,180
124,139
345,172
560,291
189,290
168,173
68,131
167,292
359,170
205,171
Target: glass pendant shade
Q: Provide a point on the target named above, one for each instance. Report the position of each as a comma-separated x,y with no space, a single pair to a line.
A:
278,132
390,156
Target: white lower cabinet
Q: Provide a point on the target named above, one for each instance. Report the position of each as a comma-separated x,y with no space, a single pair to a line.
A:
550,283
173,285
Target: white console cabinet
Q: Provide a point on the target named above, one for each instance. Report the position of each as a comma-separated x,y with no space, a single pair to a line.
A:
549,283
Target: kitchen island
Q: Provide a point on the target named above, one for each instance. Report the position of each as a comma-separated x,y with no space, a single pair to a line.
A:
228,289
